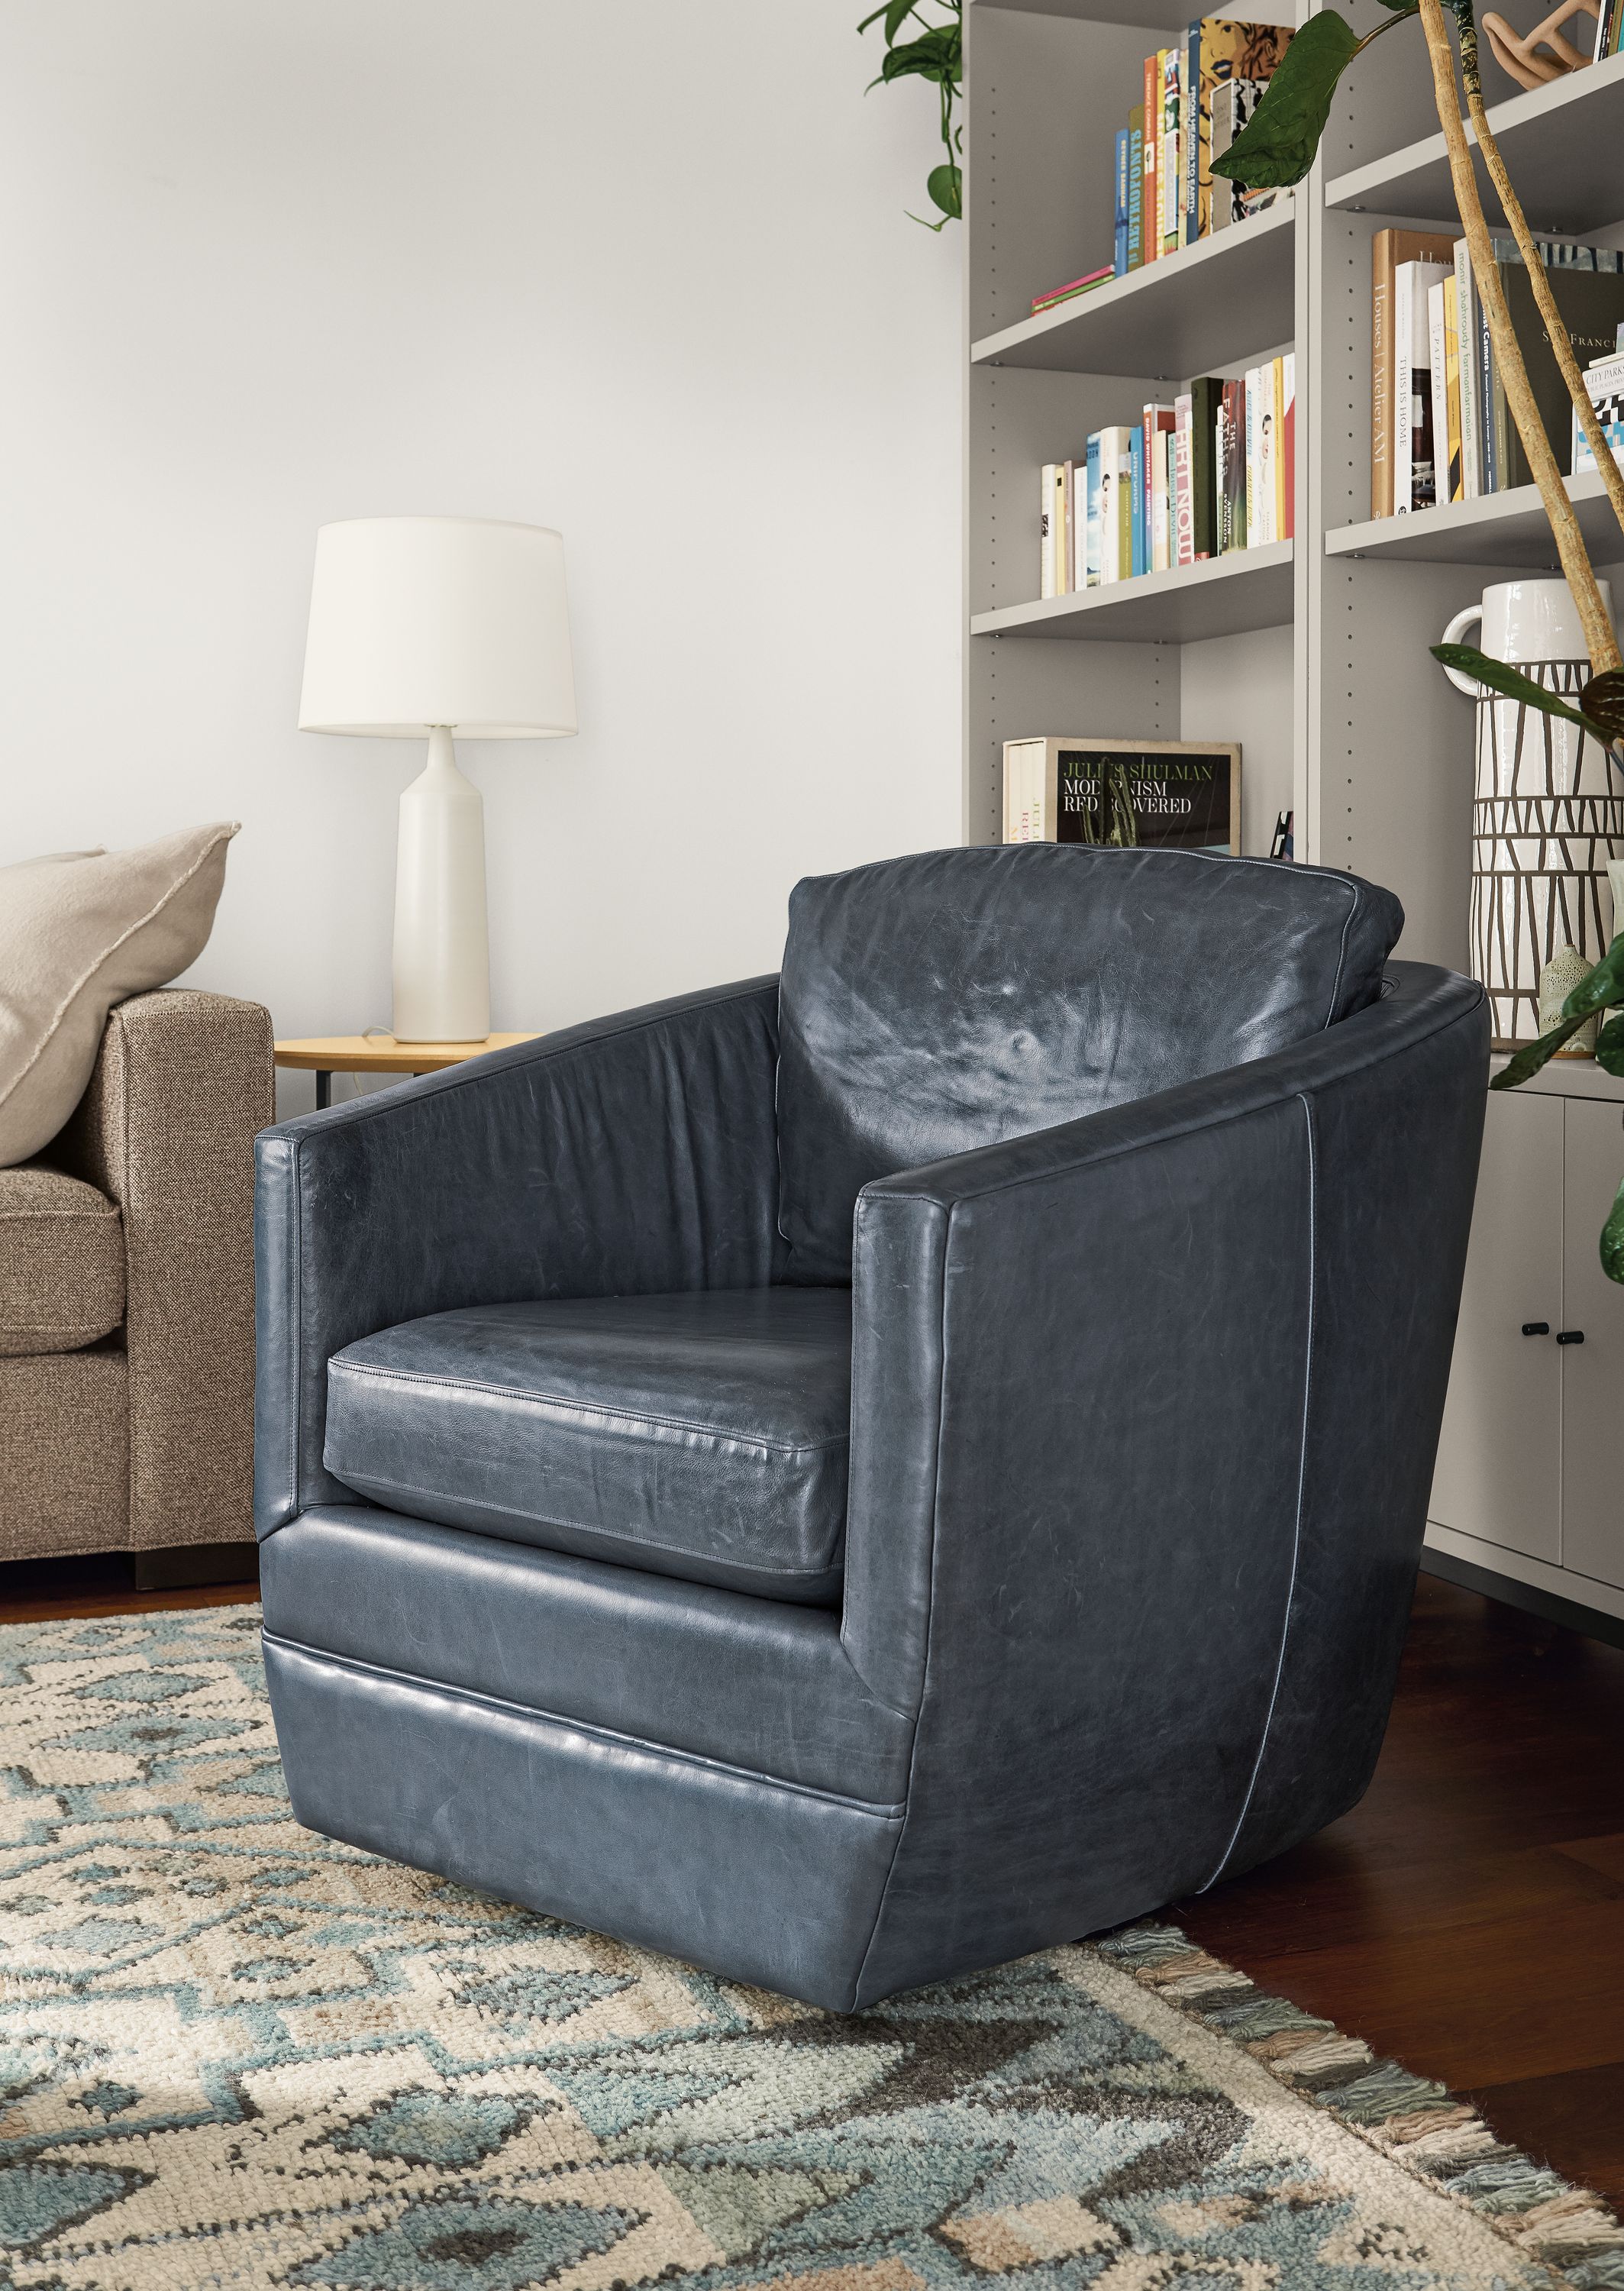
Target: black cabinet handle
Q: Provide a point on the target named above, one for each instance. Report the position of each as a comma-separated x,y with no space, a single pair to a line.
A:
1536,1328
1570,1336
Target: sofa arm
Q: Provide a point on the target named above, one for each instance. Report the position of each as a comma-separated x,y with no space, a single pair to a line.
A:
636,1154
1145,1409
182,1082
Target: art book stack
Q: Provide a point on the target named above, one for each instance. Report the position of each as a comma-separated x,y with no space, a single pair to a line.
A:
1207,474
1440,427
1196,97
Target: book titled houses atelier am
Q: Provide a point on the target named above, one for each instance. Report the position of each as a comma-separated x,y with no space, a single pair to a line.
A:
1172,795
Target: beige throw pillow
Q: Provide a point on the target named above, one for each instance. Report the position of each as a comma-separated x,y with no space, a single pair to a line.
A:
78,932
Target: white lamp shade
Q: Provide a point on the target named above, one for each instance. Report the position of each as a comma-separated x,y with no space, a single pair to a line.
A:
421,621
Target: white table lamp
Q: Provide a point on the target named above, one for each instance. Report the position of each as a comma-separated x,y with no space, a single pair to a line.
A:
431,626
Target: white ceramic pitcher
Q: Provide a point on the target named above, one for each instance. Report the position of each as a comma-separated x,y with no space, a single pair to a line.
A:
1549,808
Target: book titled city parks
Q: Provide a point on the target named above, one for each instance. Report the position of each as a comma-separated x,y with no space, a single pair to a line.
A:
1158,795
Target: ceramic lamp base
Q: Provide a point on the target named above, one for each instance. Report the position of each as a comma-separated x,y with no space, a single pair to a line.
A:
442,958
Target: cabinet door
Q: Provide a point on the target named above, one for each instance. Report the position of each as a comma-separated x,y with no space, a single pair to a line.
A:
1592,1498
1499,1459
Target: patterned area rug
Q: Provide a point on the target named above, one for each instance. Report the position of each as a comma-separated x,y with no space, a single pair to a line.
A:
232,2053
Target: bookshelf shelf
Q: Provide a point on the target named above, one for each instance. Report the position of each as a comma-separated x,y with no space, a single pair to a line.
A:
1499,530
1224,597
1226,298
1313,654
1562,144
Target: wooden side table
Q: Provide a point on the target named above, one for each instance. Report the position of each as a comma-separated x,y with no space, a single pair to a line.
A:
326,1055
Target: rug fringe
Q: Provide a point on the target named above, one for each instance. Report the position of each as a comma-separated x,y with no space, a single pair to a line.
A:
1412,2119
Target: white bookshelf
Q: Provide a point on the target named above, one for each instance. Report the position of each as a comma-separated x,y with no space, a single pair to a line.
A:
1312,653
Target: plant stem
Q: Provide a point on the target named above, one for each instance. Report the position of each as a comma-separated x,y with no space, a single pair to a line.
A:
1600,640
1561,341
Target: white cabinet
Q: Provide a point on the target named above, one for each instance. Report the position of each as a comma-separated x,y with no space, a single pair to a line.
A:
1529,1479
1593,1372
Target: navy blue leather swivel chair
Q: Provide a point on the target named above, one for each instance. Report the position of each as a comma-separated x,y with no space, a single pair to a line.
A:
850,1478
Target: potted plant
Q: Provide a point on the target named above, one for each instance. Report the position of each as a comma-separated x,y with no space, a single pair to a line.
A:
1277,147
935,54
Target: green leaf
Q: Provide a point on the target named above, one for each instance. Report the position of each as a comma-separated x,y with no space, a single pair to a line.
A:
1613,1240
875,19
1609,1047
896,16
1512,683
1603,702
945,185
1599,988
1277,144
1528,1061
933,56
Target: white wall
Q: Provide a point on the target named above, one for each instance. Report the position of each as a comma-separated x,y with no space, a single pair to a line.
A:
645,279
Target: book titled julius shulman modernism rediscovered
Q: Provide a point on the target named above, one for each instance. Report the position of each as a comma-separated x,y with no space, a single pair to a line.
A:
1168,795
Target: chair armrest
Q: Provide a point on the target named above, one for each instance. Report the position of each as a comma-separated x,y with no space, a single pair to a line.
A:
181,1083
636,1154
1145,1409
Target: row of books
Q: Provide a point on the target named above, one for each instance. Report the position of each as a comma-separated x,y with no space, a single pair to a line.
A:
1198,95
1206,475
1609,32
1440,427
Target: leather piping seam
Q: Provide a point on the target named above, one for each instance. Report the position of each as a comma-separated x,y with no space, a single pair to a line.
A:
397,1488
1336,983
589,1408
1297,1532
936,1523
1192,1127
608,1734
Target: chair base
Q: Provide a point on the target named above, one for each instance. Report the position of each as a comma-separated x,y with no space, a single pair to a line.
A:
757,1880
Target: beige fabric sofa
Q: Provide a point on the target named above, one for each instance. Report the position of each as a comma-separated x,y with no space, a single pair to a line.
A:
126,1299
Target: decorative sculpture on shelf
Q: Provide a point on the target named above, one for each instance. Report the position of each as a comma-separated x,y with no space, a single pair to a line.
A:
1518,53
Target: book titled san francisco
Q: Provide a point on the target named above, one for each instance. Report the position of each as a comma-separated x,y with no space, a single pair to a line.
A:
1168,795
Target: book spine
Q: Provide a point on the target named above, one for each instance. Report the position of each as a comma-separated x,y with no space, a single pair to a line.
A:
1381,374
1136,511
1404,391
1135,187
1437,391
1250,409
1124,502
1190,134
1510,462
1288,446
1278,504
1119,227
1466,330
1046,558
1184,507
1019,775
1091,514
1450,459
1171,178
1151,208
1206,397
1061,523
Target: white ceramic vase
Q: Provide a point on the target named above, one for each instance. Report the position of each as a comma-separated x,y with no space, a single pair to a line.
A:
1549,808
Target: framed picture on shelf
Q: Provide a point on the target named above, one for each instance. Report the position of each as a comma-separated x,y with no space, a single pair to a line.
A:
1162,795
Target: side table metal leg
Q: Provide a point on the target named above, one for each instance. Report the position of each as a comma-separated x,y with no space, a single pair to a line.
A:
323,1088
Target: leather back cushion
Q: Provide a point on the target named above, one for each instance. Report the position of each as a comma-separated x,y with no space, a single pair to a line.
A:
954,999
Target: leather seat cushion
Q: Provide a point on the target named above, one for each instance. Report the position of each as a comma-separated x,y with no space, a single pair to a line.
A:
61,1262
934,1004
702,1436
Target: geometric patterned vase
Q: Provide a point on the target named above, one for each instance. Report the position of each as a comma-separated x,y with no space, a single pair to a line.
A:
1549,815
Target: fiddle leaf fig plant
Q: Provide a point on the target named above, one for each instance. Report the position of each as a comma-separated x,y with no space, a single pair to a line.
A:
934,52
1600,990
1276,148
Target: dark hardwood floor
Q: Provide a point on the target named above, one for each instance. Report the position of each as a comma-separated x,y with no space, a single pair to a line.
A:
1467,1918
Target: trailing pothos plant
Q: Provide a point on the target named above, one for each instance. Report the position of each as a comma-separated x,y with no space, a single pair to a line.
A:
1277,147
935,51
